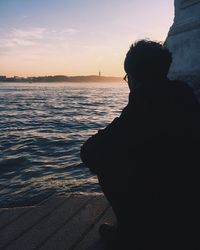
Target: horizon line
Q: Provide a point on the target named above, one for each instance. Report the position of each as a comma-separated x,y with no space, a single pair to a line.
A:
16,76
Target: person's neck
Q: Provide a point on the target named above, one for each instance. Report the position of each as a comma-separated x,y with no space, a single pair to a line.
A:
154,82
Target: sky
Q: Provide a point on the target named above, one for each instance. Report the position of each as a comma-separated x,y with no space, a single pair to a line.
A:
76,37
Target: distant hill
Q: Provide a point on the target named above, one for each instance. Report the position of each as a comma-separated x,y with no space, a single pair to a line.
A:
62,78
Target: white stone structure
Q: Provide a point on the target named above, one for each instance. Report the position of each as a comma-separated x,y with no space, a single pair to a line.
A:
184,42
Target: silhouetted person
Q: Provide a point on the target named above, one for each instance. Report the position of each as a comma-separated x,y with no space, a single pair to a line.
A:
147,159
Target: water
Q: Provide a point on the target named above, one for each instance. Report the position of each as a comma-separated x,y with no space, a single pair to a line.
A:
42,126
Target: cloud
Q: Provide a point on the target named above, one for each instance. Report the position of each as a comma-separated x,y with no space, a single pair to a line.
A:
70,31
36,42
21,38
14,43
25,17
16,38
33,33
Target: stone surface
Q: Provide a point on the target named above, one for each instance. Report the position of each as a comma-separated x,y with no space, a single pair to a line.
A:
184,42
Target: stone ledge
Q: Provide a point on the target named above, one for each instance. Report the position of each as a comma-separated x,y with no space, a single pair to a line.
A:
184,27
187,3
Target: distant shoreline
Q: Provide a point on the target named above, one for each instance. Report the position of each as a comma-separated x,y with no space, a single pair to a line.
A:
61,78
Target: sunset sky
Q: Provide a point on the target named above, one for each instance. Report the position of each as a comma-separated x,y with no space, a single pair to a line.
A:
76,37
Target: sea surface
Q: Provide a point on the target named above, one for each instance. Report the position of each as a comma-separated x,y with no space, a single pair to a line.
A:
42,127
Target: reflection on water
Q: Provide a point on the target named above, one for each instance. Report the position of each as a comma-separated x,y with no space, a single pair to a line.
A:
42,127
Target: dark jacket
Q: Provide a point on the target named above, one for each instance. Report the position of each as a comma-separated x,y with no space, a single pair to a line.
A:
159,124
149,157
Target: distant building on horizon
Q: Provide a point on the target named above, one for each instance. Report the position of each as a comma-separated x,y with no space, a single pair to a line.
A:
2,78
99,73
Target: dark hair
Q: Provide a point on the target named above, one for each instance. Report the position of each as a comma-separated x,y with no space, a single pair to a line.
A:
147,60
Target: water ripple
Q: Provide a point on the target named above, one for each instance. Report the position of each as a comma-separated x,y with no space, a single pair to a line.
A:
42,127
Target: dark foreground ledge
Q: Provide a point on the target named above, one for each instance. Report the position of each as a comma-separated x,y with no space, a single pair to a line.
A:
60,222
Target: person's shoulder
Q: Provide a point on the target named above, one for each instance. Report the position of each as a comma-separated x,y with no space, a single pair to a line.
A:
180,88
180,85
182,91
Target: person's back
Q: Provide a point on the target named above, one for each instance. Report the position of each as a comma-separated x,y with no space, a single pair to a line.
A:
145,159
167,169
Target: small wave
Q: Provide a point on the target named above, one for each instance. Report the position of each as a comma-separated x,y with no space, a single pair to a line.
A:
12,164
42,129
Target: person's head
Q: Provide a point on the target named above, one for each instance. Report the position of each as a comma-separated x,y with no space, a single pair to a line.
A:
147,61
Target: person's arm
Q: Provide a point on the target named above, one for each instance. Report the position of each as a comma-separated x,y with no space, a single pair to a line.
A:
100,148
127,134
